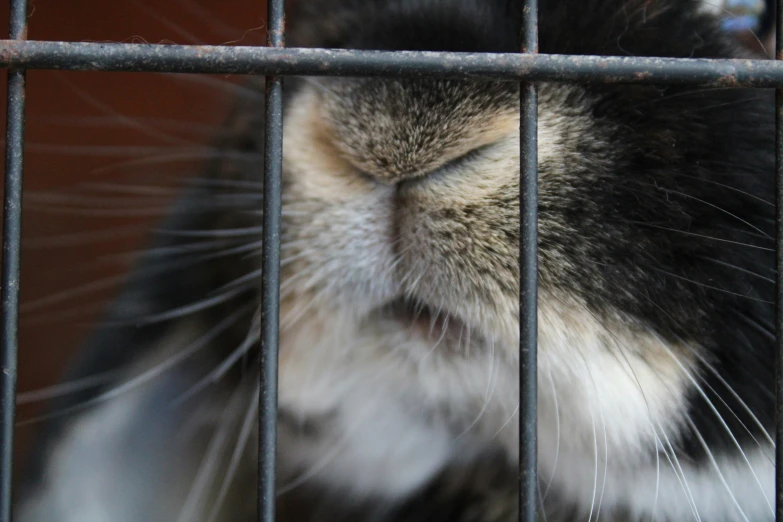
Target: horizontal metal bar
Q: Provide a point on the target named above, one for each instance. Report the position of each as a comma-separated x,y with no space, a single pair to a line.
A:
409,64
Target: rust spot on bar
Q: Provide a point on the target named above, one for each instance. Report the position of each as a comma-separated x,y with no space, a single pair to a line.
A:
728,81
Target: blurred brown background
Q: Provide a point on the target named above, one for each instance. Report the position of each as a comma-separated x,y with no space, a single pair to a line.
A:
103,150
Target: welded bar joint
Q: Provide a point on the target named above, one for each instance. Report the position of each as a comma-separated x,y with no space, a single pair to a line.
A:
9,281
270,278
528,278
515,67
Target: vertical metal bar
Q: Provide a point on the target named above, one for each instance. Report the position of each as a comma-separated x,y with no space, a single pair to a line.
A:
528,278
12,238
779,266
270,279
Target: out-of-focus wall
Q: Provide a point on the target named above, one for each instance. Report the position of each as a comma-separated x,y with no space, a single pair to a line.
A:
90,137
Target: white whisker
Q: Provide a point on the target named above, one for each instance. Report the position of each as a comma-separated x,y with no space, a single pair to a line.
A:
557,435
725,426
671,455
491,383
718,471
209,464
157,370
233,465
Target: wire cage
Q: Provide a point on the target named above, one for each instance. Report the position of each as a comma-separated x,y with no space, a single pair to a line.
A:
275,61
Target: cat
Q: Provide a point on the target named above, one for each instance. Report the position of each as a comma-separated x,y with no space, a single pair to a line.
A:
398,376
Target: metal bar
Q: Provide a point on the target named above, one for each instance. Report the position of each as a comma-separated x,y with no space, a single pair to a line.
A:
12,239
528,278
270,279
779,267
406,64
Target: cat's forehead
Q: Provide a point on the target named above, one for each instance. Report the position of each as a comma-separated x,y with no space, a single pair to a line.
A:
434,25
600,27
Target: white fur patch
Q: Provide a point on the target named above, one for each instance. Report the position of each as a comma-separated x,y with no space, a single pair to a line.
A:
608,397
403,409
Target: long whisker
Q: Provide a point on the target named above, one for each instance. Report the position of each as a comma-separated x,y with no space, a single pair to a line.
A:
66,388
195,346
157,16
220,232
295,315
238,90
128,122
711,287
252,338
761,448
694,234
712,205
175,258
714,463
209,17
202,130
166,159
342,440
557,436
671,455
632,373
729,187
241,446
81,238
209,465
189,309
720,378
59,297
113,151
658,447
606,462
595,472
146,210
738,268
491,383
700,391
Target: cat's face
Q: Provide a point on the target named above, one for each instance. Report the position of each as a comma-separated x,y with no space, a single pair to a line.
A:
401,236
402,196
